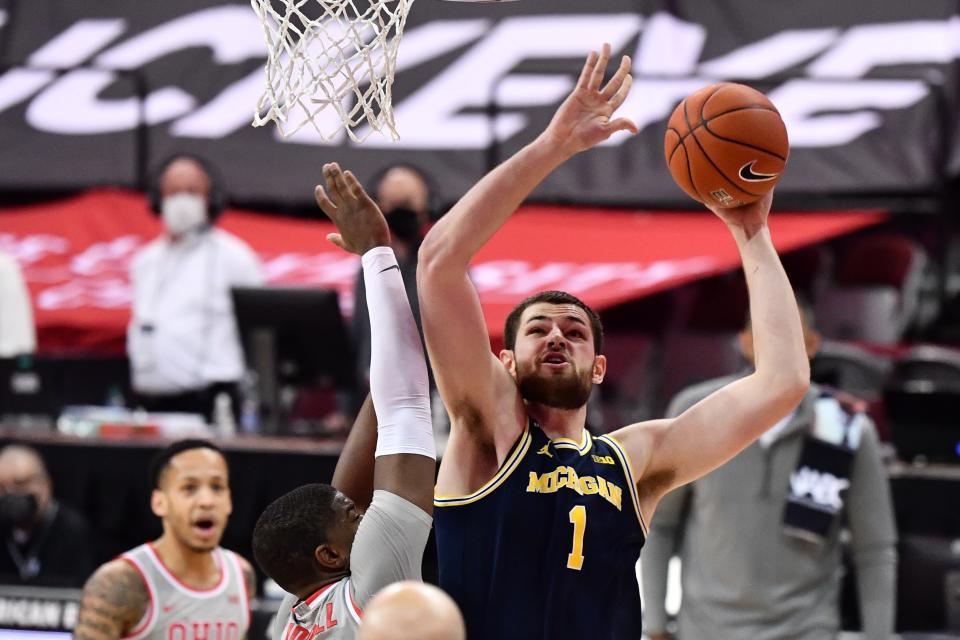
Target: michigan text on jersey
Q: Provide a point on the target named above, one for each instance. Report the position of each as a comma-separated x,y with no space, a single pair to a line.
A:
566,477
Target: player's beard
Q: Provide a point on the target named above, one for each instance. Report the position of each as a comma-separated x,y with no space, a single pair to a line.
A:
200,546
559,392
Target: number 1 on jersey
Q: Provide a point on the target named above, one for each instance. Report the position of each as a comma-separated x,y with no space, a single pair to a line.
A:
578,518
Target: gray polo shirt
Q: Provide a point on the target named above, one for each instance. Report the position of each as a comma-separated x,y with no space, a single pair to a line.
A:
742,576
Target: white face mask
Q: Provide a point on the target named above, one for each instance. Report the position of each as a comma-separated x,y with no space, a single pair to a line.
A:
183,212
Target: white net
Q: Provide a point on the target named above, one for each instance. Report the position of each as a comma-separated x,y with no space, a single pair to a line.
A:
330,65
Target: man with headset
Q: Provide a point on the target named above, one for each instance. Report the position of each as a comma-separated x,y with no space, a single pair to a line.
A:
182,339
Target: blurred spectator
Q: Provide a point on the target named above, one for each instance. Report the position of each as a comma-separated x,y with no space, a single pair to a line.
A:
182,339
45,542
17,332
760,536
405,195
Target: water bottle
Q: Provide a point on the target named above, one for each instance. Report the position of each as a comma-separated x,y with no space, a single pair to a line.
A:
115,397
249,404
223,420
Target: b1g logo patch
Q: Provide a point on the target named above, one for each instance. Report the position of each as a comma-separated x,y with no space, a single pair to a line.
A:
722,197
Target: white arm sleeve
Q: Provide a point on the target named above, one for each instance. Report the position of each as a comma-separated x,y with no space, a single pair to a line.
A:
398,368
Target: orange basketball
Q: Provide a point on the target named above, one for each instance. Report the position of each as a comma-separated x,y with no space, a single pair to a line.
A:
726,145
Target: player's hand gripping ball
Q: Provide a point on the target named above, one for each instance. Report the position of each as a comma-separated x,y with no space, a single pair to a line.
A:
726,145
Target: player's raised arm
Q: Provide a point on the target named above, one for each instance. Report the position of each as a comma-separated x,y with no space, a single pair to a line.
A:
313,541
405,450
353,476
452,319
669,453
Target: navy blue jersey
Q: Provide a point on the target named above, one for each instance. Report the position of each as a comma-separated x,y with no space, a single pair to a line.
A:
547,549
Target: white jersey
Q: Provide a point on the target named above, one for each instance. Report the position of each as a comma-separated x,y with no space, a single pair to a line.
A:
331,612
178,612
388,547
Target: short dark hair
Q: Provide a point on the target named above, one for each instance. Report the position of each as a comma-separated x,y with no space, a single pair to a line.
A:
161,460
290,529
512,323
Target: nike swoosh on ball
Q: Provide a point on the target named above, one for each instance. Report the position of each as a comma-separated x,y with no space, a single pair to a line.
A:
747,173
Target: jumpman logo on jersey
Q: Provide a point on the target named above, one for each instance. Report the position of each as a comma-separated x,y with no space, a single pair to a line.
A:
545,451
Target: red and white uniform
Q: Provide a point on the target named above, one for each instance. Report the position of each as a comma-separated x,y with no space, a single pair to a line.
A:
179,612
388,548
331,612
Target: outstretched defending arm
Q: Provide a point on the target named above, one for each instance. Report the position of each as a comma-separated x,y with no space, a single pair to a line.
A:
475,387
390,540
405,450
669,453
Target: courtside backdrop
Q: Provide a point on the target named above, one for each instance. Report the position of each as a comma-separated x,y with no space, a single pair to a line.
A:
95,93
75,255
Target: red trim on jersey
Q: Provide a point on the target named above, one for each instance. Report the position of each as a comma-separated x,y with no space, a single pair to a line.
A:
152,611
318,593
178,581
354,604
244,596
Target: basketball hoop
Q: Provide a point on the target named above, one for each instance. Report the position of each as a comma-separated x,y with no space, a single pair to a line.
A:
330,64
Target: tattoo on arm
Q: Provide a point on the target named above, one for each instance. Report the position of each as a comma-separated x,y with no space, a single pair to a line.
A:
114,600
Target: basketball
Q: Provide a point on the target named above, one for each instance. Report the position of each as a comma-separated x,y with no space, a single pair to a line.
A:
726,145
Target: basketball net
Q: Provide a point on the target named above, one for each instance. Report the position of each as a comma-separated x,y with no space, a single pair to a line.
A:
334,70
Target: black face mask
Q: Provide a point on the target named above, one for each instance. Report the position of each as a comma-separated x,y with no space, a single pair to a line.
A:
17,509
404,225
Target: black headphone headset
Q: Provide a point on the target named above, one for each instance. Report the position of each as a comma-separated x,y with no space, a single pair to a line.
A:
433,198
215,199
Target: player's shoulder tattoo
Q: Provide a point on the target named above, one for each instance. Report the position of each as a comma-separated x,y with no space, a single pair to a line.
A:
249,576
114,599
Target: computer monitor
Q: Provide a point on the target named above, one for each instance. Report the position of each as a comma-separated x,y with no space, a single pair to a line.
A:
923,420
292,336
43,385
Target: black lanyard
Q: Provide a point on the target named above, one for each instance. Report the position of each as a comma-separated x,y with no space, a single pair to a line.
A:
28,564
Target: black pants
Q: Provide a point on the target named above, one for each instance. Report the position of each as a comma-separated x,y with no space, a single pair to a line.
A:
197,401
